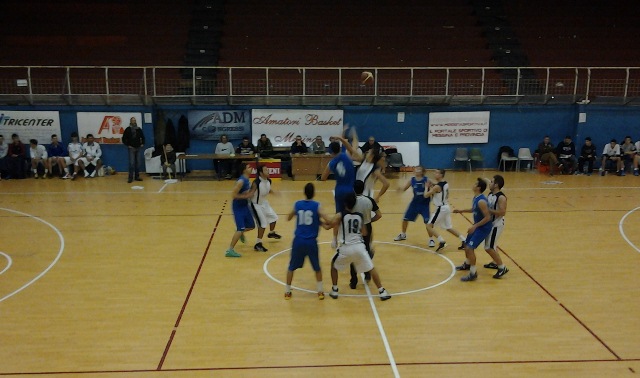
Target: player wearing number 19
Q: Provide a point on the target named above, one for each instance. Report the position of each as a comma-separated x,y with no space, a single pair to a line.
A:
305,241
352,249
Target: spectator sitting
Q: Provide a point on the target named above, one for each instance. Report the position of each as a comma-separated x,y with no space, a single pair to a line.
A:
547,154
636,159
318,146
17,154
371,144
610,156
168,160
298,147
223,166
38,154
265,147
567,153
628,152
4,149
245,147
587,154
74,149
91,154
56,152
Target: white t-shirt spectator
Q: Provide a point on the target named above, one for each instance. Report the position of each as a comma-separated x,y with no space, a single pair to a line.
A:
224,148
611,151
40,152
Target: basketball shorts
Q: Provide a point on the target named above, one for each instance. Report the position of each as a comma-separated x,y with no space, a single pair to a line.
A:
302,248
264,214
355,254
243,218
442,217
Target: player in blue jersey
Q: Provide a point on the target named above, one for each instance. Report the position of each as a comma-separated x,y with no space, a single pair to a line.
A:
479,231
305,241
242,192
341,165
419,205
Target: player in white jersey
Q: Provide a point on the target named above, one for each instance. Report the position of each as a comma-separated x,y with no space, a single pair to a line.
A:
90,157
497,202
441,216
39,156
74,150
369,172
366,206
351,229
262,211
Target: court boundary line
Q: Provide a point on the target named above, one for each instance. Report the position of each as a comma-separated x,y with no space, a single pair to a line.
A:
193,284
510,362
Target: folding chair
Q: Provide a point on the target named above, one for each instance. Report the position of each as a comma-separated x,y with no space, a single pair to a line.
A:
462,155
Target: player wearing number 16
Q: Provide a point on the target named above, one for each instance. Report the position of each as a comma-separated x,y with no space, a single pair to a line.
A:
305,241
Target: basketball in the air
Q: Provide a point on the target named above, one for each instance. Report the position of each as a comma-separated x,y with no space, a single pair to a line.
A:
366,77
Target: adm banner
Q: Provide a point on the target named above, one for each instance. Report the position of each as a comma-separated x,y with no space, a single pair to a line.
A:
29,125
107,128
458,127
210,125
282,125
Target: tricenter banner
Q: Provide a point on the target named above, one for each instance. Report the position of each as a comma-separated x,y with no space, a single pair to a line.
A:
458,127
29,125
107,128
282,125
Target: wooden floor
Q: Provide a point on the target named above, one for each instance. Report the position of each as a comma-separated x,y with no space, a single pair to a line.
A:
101,280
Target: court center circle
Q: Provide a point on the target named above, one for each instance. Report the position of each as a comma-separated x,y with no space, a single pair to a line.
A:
451,275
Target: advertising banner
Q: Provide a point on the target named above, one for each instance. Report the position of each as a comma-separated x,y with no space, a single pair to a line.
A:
273,165
458,127
211,124
29,125
282,125
107,128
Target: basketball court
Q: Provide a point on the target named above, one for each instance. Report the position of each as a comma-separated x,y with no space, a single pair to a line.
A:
99,279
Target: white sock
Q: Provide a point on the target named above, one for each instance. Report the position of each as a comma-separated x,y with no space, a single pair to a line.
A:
334,288
66,171
258,240
319,286
463,238
473,269
381,290
46,171
287,288
440,239
501,266
35,171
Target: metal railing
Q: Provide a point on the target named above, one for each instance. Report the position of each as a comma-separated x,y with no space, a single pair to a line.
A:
317,85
